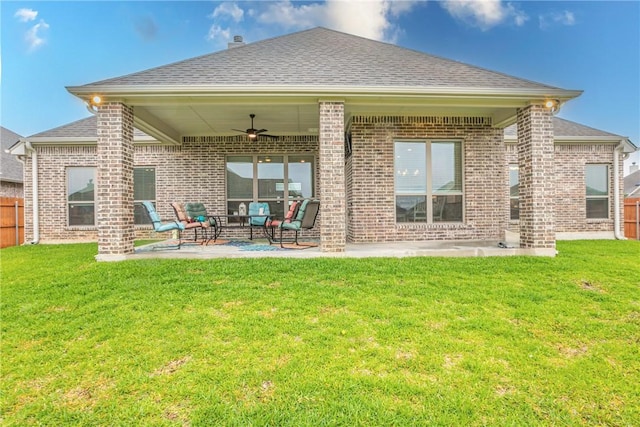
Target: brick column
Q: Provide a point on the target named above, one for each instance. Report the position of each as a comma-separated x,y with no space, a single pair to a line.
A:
536,172
332,177
115,182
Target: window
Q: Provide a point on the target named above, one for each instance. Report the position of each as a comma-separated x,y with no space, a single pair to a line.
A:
262,178
144,188
597,191
428,171
81,196
514,192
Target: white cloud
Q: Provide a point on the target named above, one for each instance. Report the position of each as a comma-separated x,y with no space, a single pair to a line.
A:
26,15
484,14
566,18
217,33
34,35
228,9
372,18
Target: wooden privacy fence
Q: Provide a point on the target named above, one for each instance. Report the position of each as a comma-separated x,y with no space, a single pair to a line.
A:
632,218
11,221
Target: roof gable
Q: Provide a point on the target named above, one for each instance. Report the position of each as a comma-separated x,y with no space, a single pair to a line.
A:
321,57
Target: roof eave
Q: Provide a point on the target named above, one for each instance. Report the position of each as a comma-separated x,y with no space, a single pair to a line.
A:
78,140
131,91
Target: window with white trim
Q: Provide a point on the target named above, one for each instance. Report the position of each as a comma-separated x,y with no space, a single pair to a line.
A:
428,181
81,196
597,191
262,178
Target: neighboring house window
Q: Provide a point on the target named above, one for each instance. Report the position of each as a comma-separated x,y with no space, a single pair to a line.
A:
514,192
428,171
597,191
81,196
144,188
262,179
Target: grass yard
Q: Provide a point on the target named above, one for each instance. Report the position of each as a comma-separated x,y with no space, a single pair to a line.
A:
354,342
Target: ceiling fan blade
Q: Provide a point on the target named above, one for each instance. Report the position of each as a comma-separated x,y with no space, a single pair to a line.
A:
240,130
269,136
261,130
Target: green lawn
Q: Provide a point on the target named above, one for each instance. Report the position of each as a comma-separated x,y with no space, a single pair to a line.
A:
413,341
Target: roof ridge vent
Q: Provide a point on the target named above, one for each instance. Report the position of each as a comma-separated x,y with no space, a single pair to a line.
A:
237,41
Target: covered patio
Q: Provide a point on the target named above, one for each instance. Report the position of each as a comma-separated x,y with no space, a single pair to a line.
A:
346,110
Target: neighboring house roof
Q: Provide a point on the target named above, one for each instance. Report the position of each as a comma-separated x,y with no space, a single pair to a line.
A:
10,167
566,130
632,184
321,57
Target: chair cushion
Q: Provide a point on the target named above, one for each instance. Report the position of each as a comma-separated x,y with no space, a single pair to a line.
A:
195,210
169,226
254,209
291,225
303,207
181,213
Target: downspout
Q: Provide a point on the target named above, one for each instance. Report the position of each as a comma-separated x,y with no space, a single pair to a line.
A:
617,153
34,192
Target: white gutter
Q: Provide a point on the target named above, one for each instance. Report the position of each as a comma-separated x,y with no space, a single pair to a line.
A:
34,192
617,153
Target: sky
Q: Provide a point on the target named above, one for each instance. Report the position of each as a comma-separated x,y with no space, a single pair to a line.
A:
592,46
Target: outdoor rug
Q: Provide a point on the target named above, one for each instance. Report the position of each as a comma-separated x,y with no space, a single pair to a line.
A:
244,245
300,245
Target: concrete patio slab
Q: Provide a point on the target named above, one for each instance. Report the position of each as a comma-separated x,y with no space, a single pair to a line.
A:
261,249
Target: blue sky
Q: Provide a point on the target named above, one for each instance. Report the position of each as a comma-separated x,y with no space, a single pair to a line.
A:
592,46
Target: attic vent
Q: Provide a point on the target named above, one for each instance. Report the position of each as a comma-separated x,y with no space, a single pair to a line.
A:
237,41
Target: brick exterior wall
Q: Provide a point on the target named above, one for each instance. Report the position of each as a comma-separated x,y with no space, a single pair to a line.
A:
569,181
332,175
536,169
371,206
194,171
114,180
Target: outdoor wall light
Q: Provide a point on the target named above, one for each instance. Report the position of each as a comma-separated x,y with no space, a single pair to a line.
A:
93,103
552,104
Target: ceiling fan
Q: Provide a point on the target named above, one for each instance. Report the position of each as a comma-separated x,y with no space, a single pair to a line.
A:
252,132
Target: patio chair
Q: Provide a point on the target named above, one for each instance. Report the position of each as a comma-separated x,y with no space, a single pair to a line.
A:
197,212
271,223
188,223
256,210
305,219
161,227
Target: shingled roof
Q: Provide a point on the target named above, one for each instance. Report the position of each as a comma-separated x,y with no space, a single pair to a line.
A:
566,128
81,129
320,57
571,131
10,167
